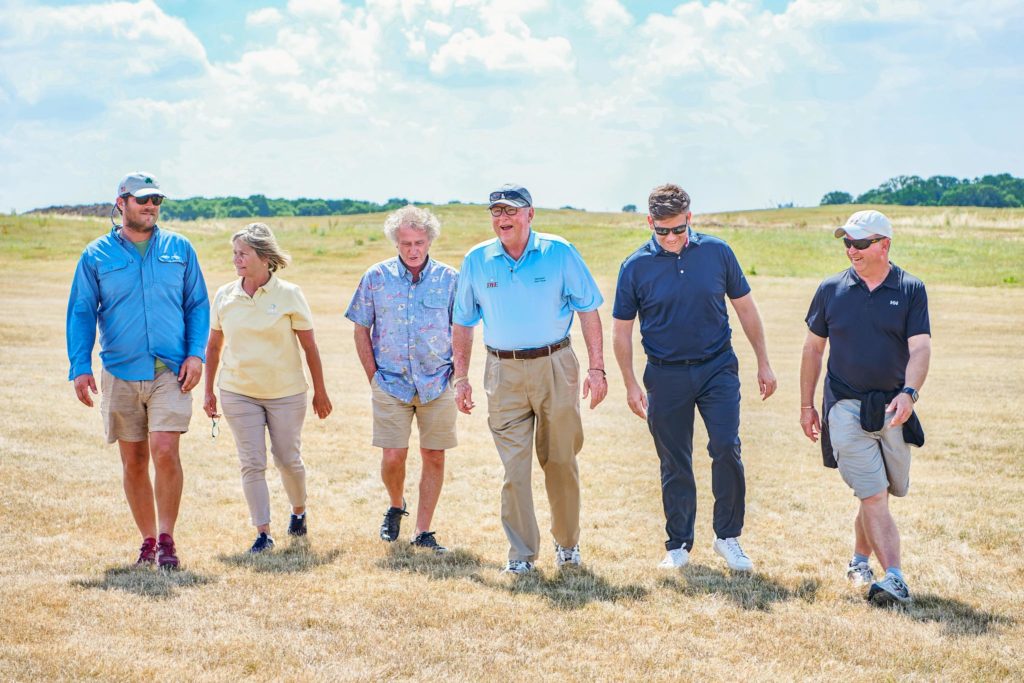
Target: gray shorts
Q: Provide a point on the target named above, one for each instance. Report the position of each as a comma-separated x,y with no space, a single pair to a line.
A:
870,462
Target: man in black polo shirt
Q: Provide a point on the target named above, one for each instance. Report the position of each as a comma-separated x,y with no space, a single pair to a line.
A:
677,284
876,317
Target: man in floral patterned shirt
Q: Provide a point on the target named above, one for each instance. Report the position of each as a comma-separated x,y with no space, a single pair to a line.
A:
402,312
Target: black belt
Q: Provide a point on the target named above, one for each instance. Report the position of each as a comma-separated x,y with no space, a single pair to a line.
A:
527,354
697,361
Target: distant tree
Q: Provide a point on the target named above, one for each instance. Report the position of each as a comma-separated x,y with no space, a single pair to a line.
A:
629,208
836,197
978,195
260,205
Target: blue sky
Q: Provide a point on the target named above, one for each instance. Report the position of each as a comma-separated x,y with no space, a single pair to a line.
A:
745,103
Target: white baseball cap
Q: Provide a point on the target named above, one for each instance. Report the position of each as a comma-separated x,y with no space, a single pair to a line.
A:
139,184
865,224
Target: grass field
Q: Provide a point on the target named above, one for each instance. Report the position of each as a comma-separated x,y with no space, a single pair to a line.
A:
345,607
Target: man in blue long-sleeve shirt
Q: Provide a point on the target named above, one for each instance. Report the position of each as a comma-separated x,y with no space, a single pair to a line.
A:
144,288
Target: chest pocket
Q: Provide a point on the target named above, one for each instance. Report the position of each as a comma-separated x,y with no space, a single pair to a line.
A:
170,270
114,277
435,301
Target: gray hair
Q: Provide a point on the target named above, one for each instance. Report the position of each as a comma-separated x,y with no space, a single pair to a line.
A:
262,240
410,216
667,200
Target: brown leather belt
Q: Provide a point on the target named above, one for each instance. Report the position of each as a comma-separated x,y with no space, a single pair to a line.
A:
527,354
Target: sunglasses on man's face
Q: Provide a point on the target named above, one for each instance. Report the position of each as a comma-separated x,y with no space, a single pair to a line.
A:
155,198
678,230
507,210
861,245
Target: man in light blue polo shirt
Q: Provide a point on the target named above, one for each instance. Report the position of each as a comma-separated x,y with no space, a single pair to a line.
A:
144,288
526,287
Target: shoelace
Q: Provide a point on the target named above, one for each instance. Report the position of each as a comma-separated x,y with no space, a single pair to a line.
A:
426,538
734,546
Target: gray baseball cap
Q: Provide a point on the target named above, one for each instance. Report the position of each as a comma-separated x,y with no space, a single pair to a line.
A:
139,184
511,194
865,224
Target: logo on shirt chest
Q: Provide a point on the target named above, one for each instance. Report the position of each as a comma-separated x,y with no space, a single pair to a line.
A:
539,279
894,302
272,309
492,284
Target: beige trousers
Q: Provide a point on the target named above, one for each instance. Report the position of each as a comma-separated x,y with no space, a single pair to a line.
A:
527,401
250,420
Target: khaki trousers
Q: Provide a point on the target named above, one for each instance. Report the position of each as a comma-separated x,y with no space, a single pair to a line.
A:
528,400
250,420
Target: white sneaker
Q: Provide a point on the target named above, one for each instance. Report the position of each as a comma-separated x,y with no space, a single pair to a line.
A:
675,559
564,556
730,549
859,573
518,567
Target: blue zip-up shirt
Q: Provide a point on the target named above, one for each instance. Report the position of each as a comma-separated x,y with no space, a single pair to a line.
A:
151,307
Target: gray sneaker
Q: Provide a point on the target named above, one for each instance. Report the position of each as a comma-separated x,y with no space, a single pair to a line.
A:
564,556
859,573
891,590
519,567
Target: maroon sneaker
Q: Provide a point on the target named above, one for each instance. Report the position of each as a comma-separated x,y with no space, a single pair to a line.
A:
166,557
147,553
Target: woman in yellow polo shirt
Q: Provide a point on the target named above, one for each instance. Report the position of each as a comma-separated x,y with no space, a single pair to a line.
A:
260,321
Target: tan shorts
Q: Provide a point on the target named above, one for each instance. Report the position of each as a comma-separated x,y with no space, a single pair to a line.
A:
392,420
131,410
870,462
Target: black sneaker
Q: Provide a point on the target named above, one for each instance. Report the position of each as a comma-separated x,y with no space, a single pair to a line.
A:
297,525
262,544
392,523
425,539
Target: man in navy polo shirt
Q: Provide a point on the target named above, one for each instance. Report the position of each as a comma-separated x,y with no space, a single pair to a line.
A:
526,286
677,284
876,317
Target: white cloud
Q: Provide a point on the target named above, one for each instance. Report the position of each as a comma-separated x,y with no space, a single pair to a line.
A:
315,10
268,16
511,48
437,28
739,104
607,16
111,44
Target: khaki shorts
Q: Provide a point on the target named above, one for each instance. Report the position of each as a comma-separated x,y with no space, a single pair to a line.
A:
870,462
392,420
131,410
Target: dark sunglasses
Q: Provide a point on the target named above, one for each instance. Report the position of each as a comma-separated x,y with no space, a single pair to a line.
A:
498,196
155,198
678,230
861,245
507,210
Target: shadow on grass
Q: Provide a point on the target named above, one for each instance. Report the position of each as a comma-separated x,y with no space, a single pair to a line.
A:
957,618
402,557
568,589
297,556
749,591
147,582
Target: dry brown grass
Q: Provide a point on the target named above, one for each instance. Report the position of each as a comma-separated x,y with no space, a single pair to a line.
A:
345,607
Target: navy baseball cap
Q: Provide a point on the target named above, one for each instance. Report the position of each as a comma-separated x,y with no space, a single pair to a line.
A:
511,194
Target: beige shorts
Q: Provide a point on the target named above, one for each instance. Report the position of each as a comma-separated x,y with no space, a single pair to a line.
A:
392,420
870,462
131,410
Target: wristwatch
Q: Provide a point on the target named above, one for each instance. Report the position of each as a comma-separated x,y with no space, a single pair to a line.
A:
912,392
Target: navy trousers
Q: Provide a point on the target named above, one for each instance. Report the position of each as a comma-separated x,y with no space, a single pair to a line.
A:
672,392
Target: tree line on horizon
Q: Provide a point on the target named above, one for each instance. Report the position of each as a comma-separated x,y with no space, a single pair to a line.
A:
253,206
1003,190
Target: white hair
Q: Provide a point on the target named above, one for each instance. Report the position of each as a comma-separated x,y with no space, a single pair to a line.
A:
410,216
